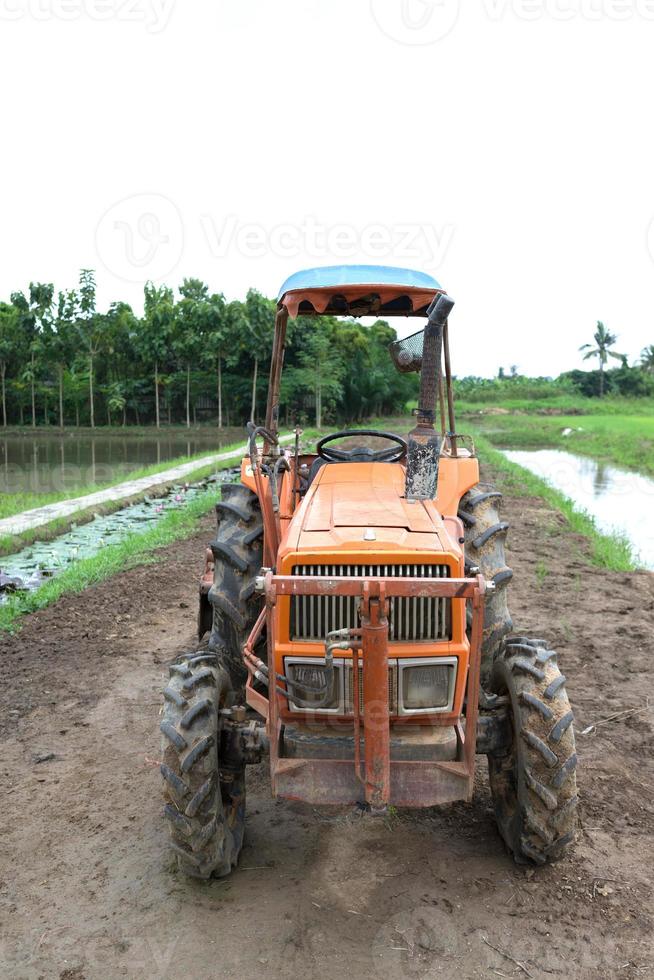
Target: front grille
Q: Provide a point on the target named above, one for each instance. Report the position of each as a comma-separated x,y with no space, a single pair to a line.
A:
349,687
411,620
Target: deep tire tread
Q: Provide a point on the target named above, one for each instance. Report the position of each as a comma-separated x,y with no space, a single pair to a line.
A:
485,547
238,553
241,513
533,782
204,813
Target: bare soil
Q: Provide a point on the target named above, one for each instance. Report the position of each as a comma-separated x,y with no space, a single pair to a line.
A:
88,888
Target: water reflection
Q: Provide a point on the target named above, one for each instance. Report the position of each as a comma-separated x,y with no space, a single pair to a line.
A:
618,499
57,463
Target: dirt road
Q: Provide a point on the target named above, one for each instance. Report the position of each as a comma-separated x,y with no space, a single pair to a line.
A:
87,886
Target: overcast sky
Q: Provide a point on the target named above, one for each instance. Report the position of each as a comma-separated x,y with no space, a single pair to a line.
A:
505,147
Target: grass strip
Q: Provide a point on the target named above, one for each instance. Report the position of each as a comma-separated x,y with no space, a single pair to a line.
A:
557,405
612,551
622,440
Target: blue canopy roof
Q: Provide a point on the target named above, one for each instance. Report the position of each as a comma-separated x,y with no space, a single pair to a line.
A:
329,276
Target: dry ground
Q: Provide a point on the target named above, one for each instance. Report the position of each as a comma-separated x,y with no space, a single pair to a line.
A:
87,886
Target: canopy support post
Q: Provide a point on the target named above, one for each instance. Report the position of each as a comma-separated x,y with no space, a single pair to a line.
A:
450,393
276,365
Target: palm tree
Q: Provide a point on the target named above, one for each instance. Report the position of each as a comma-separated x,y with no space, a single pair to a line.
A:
647,359
604,339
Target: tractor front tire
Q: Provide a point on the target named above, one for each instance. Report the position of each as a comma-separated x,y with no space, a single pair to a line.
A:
533,780
485,548
204,794
238,557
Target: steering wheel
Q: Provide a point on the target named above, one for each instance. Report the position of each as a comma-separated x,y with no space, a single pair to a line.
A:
362,454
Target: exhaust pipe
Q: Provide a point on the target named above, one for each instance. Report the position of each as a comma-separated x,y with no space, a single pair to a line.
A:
424,442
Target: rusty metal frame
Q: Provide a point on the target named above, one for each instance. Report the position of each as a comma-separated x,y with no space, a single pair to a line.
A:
276,365
449,389
383,780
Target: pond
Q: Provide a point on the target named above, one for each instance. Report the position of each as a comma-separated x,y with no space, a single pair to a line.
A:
43,463
619,500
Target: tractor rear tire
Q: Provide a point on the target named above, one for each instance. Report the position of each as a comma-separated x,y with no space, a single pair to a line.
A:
485,547
238,557
533,782
204,794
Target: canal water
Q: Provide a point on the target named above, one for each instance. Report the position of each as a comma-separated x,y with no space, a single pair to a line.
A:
43,463
619,500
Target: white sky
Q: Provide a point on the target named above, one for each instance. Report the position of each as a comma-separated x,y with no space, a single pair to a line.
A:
507,147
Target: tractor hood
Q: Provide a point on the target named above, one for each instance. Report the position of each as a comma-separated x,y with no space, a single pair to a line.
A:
362,506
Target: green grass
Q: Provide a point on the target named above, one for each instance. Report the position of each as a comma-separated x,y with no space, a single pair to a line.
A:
611,551
559,405
624,440
135,550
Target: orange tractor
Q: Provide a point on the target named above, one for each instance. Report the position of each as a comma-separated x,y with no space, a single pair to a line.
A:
356,604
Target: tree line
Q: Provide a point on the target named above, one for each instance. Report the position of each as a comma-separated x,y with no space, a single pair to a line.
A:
191,356
626,380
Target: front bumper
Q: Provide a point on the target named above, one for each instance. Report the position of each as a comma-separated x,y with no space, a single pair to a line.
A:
375,774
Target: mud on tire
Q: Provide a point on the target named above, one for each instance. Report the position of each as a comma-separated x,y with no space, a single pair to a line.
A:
533,782
485,545
204,798
238,556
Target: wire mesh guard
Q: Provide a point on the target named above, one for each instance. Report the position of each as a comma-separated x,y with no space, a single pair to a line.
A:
407,354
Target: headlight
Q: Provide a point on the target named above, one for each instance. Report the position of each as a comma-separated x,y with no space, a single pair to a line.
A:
427,685
304,670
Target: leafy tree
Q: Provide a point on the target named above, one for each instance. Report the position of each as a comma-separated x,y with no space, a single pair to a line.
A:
190,323
59,341
216,329
604,340
155,333
260,313
647,359
89,326
8,347
116,400
33,313
322,368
